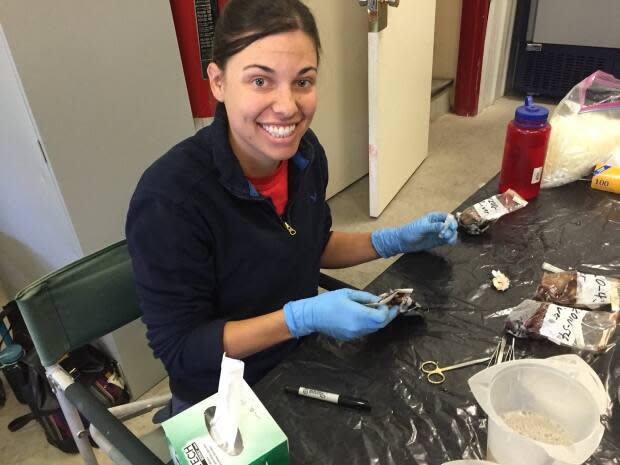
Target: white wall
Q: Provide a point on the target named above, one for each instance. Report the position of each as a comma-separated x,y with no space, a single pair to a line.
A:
447,32
574,22
105,87
36,235
105,84
341,120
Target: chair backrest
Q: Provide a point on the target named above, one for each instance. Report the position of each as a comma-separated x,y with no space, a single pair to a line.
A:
80,302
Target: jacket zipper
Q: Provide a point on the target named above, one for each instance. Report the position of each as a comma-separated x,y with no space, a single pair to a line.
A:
285,223
291,230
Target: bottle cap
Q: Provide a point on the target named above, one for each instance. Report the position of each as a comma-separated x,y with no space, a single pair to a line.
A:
11,354
530,113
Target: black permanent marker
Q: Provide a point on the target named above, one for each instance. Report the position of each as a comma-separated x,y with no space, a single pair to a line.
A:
340,399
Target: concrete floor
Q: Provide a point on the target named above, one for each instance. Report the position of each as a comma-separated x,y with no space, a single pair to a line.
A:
464,153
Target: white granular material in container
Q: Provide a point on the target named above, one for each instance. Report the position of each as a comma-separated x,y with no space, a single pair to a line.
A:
537,427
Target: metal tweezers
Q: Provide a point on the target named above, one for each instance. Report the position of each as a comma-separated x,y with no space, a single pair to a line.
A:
501,354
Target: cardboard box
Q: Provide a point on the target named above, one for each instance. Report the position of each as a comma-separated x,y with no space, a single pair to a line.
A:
260,441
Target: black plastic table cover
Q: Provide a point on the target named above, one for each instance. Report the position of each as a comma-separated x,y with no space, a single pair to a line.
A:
412,421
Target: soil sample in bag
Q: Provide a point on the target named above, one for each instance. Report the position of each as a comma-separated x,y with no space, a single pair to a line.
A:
476,219
573,327
575,289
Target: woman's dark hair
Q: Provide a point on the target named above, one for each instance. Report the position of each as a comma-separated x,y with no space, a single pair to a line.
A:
246,21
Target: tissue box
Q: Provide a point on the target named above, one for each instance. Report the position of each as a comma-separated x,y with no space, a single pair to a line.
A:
259,438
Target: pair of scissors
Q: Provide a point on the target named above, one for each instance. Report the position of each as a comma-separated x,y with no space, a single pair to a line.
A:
434,373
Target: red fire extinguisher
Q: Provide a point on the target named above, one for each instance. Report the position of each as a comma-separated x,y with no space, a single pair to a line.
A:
194,21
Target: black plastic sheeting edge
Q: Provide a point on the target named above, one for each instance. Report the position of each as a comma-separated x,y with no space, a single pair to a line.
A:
412,421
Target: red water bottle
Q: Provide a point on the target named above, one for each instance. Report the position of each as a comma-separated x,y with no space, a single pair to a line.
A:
527,137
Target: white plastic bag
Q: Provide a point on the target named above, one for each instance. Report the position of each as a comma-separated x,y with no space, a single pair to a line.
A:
585,129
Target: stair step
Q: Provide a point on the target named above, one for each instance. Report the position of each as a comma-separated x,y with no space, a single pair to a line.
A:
438,85
440,98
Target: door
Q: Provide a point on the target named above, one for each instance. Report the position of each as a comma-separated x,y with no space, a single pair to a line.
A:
36,235
341,120
400,61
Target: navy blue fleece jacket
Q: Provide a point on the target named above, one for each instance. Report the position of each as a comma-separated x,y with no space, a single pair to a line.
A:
207,248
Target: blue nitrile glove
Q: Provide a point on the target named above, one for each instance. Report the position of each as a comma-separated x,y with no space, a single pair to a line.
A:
340,314
428,231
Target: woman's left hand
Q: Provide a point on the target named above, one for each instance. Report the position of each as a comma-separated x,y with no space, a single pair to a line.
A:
428,231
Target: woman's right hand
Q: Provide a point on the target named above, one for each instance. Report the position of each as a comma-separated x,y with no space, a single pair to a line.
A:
340,314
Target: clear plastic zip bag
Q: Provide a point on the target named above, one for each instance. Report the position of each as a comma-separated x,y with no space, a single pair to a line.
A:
581,329
585,127
479,217
581,290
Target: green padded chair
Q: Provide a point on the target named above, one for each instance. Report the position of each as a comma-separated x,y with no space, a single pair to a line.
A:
74,305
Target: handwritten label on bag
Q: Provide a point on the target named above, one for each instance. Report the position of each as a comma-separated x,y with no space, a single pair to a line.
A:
490,209
593,290
562,325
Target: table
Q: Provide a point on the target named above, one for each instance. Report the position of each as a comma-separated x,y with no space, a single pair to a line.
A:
412,421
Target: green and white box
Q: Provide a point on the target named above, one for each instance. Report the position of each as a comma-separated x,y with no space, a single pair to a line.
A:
259,439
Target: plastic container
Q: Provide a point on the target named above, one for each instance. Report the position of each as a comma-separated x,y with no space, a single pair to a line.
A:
562,390
525,148
14,371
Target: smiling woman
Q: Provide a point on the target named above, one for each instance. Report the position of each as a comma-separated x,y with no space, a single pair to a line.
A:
269,90
229,229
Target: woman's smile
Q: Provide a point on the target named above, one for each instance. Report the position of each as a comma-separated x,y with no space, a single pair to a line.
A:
280,132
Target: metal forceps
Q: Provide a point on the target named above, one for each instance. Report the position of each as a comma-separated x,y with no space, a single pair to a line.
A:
434,373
